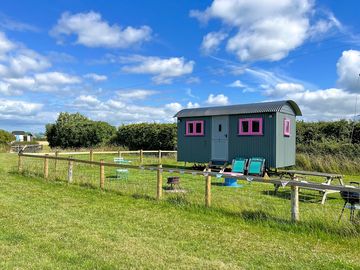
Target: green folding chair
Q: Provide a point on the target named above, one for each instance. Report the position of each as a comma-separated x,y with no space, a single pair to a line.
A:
239,165
256,166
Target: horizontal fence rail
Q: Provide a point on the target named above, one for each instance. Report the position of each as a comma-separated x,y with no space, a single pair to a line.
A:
293,184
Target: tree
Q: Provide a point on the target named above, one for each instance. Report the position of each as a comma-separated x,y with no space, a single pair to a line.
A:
76,130
6,137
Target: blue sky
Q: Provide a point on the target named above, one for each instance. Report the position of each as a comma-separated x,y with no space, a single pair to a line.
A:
134,61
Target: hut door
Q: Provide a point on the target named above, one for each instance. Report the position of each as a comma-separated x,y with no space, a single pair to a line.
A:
220,134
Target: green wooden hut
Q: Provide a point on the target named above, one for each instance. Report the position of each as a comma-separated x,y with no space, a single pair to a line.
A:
266,129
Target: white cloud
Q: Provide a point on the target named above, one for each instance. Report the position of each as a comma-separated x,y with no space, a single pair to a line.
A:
266,30
173,107
92,31
348,69
9,108
87,101
282,89
327,104
56,78
217,99
117,111
5,44
136,94
211,41
95,77
49,81
193,80
237,83
192,105
164,69
24,61
13,25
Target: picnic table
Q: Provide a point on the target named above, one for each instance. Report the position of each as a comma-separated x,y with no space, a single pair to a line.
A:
329,177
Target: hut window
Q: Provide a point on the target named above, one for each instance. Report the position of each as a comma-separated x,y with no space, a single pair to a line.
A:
194,128
250,126
287,129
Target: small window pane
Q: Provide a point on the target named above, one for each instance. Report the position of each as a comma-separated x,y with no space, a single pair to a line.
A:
220,128
191,128
198,128
256,126
245,126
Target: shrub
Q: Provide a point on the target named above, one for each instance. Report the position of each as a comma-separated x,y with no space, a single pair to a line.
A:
6,137
147,136
76,130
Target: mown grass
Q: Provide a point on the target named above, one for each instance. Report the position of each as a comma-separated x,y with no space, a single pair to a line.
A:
49,224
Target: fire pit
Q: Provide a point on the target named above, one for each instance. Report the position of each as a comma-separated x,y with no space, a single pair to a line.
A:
173,181
352,201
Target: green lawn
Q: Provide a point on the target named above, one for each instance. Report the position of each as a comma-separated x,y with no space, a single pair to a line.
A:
49,224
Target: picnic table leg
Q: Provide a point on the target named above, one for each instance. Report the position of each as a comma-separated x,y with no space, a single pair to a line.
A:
325,193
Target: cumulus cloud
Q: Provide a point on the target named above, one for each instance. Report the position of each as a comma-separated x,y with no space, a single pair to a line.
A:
164,69
92,31
87,101
217,100
266,30
48,81
5,44
325,104
192,105
9,108
135,94
211,41
56,78
117,110
237,84
95,77
23,61
282,89
348,69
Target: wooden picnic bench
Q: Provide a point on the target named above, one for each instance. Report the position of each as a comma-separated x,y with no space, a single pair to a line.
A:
329,177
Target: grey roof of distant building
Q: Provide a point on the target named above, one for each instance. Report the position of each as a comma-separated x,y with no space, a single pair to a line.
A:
18,132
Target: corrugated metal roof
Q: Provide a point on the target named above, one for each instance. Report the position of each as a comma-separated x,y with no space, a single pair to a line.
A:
262,107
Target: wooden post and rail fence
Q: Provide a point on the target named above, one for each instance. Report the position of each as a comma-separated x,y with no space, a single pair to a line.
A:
207,174
91,153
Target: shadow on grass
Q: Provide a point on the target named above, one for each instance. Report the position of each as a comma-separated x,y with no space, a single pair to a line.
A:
303,197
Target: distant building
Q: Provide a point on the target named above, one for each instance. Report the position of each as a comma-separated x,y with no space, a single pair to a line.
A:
22,136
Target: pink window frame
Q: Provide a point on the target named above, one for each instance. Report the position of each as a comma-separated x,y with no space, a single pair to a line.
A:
194,133
287,132
250,121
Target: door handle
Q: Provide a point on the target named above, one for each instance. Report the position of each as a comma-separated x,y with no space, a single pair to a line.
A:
225,135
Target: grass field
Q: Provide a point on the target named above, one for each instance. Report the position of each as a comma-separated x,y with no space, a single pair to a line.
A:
49,224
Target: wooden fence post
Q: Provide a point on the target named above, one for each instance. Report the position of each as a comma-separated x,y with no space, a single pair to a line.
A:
119,154
294,203
141,157
91,155
46,166
159,183
56,161
70,171
208,188
102,174
20,165
159,156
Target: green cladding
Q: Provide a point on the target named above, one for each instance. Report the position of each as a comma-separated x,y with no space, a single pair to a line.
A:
275,144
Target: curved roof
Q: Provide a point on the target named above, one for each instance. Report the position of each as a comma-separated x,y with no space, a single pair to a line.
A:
262,107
